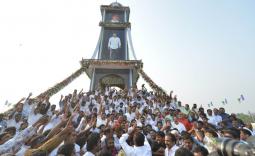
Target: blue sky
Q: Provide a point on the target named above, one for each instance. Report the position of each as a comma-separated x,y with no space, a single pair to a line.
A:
202,50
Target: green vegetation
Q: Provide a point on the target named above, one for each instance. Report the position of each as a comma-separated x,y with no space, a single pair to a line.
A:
246,117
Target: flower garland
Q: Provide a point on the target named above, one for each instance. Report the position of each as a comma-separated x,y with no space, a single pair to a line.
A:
87,62
151,83
53,90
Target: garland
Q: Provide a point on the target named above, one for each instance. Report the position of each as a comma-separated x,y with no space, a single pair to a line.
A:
55,89
151,83
87,62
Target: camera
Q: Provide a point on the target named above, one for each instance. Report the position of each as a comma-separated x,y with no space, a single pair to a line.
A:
231,147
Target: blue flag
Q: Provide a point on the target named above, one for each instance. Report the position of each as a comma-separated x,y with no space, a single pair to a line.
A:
226,102
242,97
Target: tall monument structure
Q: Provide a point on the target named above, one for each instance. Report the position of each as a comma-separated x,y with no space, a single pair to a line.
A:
114,62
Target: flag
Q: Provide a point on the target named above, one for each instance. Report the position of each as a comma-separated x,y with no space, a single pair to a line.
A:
242,97
226,102
211,104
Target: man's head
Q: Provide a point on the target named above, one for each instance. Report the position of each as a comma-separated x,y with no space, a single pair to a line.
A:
17,117
52,108
114,35
66,149
110,143
160,136
215,111
176,120
159,125
187,106
182,151
138,139
170,140
187,141
93,142
71,137
245,133
4,137
23,125
153,134
194,106
1,117
200,151
209,112
10,130
221,110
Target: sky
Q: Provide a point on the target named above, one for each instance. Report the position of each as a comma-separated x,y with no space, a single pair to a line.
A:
202,50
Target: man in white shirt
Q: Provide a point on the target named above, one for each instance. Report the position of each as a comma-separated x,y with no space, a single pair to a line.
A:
178,125
170,142
217,117
211,119
130,115
16,122
114,44
141,145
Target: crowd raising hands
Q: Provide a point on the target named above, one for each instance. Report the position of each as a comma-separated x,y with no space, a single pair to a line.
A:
114,122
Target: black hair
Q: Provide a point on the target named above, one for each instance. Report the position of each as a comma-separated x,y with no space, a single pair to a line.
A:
66,149
155,146
92,141
104,152
187,137
161,134
245,131
11,130
139,139
212,132
201,149
183,152
172,136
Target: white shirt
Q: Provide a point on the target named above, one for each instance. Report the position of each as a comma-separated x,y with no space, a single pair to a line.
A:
114,43
13,123
116,142
134,150
218,119
22,151
212,120
171,152
130,116
180,126
32,118
100,121
88,154
17,141
26,109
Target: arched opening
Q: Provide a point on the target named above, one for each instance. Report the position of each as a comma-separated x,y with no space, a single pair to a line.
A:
112,81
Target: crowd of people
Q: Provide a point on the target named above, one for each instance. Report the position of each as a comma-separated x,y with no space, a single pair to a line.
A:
111,122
